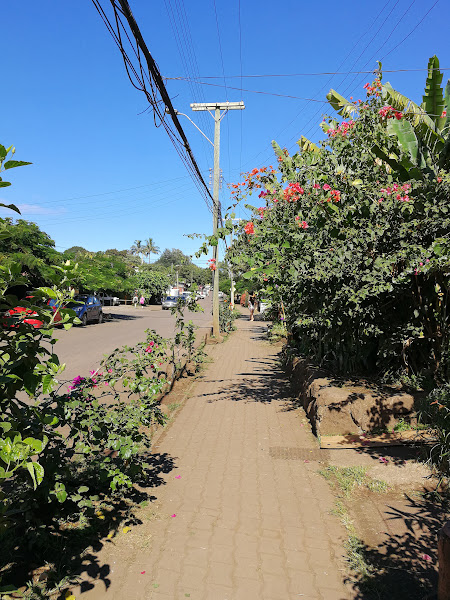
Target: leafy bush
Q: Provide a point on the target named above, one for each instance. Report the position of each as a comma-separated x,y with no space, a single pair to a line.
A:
353,238
227,316
434,411
66,453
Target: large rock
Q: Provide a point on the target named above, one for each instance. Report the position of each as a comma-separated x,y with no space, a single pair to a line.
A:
340,407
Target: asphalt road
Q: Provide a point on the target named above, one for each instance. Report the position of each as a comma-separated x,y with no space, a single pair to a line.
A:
82,348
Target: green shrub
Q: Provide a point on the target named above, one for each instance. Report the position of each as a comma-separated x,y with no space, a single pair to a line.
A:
227,317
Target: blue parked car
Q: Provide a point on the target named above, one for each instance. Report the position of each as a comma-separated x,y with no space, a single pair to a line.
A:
87,308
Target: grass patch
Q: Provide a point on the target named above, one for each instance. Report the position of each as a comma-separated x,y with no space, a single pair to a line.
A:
173,406
277,332
346,479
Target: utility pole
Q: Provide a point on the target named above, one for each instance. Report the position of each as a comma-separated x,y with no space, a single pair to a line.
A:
217,116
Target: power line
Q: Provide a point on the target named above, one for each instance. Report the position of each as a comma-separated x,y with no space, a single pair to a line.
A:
156,92
155,183
268,75
330,79
411,32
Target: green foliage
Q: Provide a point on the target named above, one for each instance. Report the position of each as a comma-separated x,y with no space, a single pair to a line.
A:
352,239
7,163
434,411
151,283
100,271
227,316
25,244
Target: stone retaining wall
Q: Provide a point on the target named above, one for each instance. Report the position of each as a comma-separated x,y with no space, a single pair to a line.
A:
345,407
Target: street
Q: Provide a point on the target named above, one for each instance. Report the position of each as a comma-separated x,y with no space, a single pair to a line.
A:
82,348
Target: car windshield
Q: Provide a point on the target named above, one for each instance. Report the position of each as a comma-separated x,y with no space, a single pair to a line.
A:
76,301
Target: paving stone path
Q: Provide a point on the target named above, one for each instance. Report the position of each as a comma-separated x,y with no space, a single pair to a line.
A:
243,514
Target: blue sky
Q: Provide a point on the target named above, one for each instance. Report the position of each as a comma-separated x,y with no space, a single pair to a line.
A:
103,175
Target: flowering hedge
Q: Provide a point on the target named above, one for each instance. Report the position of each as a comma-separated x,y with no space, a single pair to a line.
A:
352,236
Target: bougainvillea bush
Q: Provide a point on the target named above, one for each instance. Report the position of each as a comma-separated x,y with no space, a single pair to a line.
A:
352,236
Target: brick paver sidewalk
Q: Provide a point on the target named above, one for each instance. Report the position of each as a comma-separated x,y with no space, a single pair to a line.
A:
253,516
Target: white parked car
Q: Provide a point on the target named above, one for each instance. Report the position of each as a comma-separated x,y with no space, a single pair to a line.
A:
105,299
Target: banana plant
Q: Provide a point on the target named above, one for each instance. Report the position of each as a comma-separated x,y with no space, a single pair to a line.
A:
341,105
307,145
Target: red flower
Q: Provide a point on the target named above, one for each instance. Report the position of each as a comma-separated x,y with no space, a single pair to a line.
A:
336,195
326,187
249,228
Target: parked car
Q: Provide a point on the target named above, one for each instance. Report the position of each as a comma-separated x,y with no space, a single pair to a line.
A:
106,299
87,308
169,302
22,314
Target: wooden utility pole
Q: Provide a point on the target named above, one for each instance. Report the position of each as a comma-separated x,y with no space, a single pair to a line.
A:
217,116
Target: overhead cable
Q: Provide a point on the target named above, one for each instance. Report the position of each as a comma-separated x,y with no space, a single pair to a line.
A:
155,92
268,75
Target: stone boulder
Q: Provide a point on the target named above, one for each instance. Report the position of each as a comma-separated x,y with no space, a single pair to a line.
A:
345,407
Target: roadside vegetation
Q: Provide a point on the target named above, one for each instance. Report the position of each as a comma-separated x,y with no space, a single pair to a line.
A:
74,459
350,237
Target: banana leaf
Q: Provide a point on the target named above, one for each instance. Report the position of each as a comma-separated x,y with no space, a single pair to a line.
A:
340,104
433,99
407,139
324,126
278,151
423,124
307,145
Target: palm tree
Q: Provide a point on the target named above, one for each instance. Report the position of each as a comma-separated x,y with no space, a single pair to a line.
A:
150,248
137,249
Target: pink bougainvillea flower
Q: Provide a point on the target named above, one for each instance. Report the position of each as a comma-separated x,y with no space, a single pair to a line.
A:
326,187
78,380
174,515
142,572
383,460
316,186
177,476
426,557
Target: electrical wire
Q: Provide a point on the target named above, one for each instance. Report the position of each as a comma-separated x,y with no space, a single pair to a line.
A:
330,79
410,33
156,92
153,185
268,75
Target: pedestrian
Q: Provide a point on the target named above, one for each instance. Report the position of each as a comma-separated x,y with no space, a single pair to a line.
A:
135,299
142,301
251,304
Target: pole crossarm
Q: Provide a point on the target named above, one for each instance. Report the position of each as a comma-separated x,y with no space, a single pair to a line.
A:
220,105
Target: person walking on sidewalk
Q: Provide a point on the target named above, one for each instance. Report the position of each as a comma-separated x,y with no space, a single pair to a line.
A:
135,299
142,301
251,304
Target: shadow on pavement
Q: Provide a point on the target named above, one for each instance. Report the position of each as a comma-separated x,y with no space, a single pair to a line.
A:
58,542
118,317
404,565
